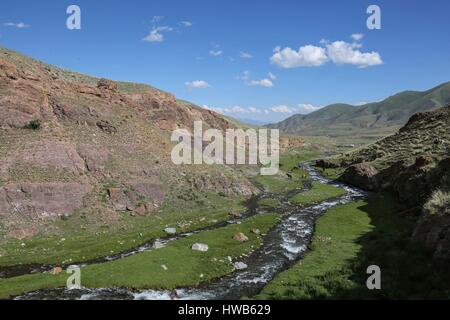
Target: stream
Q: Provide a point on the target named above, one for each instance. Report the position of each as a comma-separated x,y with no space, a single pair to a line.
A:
283,246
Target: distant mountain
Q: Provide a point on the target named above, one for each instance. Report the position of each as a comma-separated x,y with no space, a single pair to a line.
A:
373,119
252,122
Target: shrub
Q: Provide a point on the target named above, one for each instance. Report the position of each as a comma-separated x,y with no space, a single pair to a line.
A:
438,204
33,125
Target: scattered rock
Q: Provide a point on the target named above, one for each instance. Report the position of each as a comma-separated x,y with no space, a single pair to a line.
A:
240,237
118,199
170,231
141,210
423,161
200,247
235,215
57,270
256,231
106,84
106,126
362,175
240,266
158,245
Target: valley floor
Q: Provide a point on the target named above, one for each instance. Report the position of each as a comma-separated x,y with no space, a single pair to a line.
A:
349,239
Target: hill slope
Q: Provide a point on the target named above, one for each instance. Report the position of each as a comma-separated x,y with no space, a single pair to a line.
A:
95,149
377,119
414,165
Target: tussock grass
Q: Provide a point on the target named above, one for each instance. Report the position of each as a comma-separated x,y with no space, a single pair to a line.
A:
438,204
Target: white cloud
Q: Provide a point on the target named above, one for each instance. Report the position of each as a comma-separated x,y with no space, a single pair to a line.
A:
266,82
19,25
272,76
262,83
186,24
156,35
307,108
341,52
357,36
157,19
254,110
236,109
282,109
246,55
216,53
306,56
197,84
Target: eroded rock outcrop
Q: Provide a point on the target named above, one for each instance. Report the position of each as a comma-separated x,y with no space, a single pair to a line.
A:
42,200
362,175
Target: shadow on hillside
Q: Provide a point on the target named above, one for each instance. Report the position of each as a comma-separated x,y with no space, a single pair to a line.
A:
407,270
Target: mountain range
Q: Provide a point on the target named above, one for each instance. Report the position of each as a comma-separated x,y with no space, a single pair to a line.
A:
374,120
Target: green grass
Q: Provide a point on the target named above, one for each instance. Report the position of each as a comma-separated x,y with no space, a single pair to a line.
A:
350,238
144,270
330,173
269,203
81,245
290,176
318,192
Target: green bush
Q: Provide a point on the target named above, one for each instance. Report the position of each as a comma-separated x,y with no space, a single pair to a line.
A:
438,204
33,125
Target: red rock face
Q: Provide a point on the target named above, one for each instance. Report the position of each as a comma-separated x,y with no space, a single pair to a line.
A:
44,200
93,134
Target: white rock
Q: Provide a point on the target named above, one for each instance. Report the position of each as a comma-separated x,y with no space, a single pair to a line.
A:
170,231
200,247
240,266
158,245
164,267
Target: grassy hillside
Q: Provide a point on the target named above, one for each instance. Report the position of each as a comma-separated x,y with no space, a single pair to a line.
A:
88,160
373,120
350,238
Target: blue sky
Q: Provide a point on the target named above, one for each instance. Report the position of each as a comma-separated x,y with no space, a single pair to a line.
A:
262,60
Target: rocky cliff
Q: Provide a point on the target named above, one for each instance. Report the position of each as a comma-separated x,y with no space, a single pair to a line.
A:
70,142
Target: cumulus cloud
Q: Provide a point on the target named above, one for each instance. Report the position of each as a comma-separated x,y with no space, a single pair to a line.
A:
341,52
19,25
157,34
236,109
307,108
357,36
186,24
216,53
197,84
254,110
282,109
306,56
262,83
246,55
338,52
157,19
266,82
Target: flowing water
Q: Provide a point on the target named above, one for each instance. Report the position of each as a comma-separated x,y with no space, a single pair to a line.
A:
283,246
